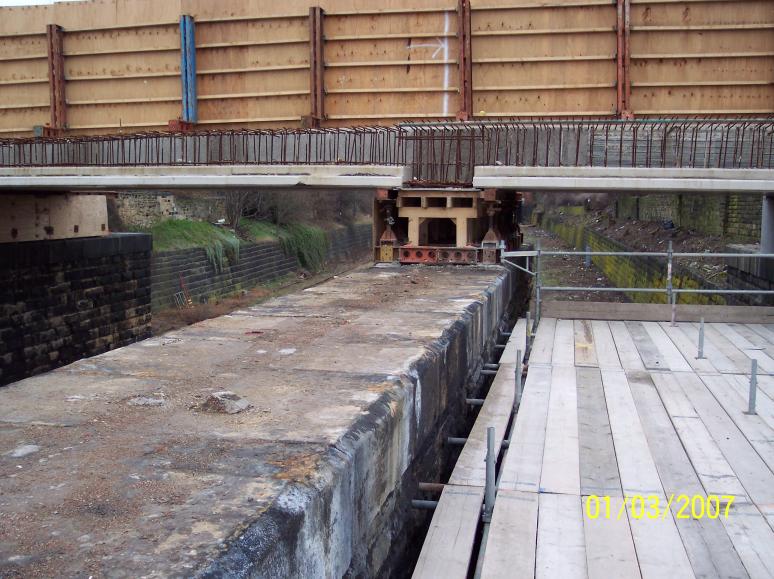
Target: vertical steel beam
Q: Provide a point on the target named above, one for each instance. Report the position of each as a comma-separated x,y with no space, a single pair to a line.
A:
628,111
190,112
623,59
465,60
56,77
316,68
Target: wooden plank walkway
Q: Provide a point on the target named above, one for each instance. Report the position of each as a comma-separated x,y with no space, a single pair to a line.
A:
449,545
621,409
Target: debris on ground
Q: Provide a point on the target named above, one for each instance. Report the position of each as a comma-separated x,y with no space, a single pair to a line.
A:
225,402
23,450
640,235
569,271
147,401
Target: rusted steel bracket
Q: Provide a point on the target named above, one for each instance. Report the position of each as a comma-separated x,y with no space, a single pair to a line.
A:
316,69
180,126
465,61
56,78
623,60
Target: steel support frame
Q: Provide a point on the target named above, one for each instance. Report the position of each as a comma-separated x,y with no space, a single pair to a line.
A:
56,80
316,69
623,59
465,60
190,107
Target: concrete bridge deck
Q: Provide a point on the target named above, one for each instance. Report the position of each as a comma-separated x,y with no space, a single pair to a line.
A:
108,467
625,179
89,178
544,179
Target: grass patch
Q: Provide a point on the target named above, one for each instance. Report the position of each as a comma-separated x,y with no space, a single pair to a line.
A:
220,244
259,230
307,243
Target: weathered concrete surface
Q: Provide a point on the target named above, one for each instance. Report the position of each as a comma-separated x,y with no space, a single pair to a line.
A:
348,381
624,179
87,178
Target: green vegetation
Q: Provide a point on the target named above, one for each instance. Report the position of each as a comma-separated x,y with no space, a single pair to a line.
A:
219,243
309,244
259,230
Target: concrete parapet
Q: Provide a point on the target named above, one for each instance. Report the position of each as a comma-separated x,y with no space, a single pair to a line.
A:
354,386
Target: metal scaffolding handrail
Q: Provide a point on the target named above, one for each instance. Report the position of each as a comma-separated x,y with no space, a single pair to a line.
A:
671,292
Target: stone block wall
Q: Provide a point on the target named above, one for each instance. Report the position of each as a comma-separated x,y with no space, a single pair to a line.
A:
736,217
144,209
258,263
64,300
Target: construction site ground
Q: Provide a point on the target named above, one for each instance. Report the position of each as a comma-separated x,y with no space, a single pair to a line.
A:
568,270
655,236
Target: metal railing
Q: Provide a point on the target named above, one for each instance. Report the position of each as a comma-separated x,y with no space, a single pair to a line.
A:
668,290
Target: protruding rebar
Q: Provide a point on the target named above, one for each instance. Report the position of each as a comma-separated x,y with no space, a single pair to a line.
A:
431,487
424,504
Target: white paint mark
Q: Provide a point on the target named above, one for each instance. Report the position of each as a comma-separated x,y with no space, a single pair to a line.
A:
287,351
439,45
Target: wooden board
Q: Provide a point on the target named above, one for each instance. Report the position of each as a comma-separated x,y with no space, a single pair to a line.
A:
651,357
714,339
687,348
561,471
561,548
512,543
543,345
756,430
516,342
392,62
470,468
598,465
669,352
609,545
564,344
747,465
715,473
719,361
635,463
448,545
585,348
607,354
522,465
627,351
752,537
707,545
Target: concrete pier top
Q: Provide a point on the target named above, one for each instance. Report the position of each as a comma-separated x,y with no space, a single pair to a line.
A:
113,467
